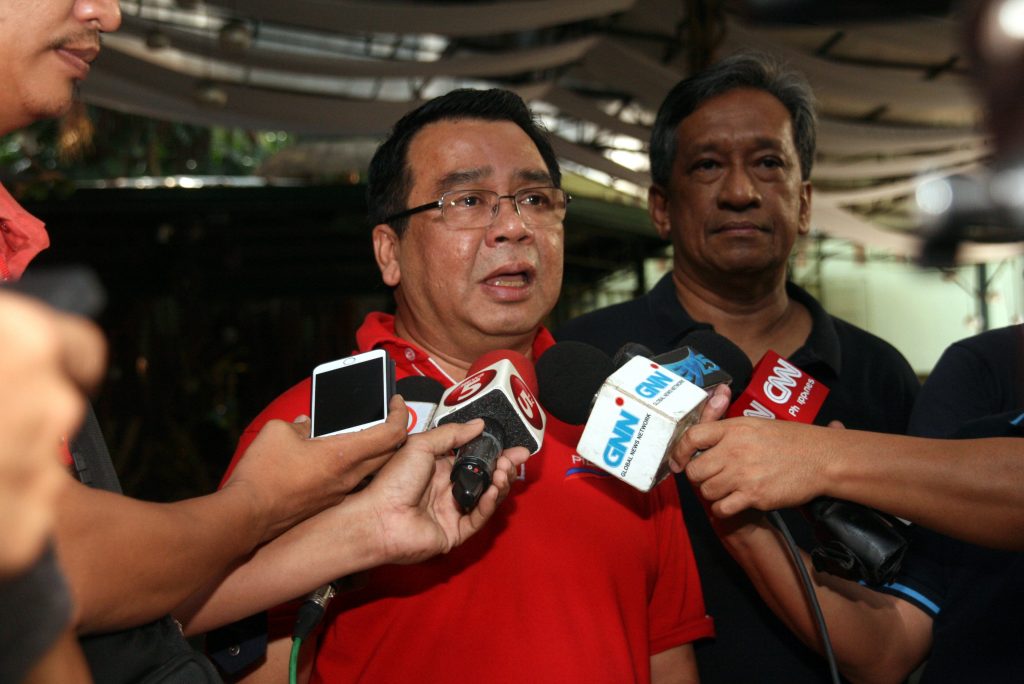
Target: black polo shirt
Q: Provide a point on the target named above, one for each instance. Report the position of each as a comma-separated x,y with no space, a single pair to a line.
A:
974,595
872,387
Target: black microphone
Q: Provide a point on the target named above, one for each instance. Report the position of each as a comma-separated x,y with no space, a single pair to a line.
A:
500,389
569,375
707,359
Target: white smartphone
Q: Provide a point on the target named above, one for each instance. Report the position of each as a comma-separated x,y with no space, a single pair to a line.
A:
352,394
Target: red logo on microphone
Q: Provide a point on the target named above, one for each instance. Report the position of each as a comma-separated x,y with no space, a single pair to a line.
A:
527,403
470,387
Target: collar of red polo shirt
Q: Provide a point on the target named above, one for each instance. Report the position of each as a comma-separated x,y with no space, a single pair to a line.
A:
22,237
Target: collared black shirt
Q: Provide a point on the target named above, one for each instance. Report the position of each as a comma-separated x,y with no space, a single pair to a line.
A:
872,387
974,595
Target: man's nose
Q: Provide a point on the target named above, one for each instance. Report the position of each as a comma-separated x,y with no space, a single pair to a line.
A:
103,15
738,190
508,225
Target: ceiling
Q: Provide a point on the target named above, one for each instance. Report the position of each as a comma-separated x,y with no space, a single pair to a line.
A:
893,98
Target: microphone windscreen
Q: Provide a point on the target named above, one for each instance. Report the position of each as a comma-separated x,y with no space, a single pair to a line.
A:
723,352
420,388
628,351
521,363
569,374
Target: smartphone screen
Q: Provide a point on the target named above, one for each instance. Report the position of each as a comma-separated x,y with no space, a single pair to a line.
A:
349,396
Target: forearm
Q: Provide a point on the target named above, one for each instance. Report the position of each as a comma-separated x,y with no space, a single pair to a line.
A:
865,627
64,662
333,544
677,665
129,562
969,489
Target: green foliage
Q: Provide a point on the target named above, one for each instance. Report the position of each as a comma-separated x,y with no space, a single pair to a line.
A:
125,145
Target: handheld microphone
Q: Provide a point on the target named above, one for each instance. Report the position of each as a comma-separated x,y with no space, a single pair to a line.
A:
500,388
854,541
421,395
569,375
779,390
633,414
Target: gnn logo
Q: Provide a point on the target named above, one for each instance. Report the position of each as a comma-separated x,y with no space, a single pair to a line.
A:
777,388
624,431
622,436
654,383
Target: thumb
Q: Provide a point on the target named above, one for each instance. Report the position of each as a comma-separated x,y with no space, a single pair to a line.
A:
302,425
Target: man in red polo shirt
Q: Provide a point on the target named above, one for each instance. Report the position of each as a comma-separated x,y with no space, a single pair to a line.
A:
579,578
130,562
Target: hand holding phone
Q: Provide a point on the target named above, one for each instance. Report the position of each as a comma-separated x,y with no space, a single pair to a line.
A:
351,394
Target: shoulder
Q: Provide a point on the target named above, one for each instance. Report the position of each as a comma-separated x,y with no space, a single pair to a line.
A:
599,319
974,378
868,348
608,328
999,346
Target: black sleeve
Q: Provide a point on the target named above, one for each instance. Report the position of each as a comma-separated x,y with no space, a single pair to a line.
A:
964,386
922,579
35,609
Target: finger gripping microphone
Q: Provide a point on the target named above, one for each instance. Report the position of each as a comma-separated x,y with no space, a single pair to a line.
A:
854,542
501,388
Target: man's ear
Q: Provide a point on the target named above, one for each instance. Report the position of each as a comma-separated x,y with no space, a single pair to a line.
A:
657,207
387,249
805,208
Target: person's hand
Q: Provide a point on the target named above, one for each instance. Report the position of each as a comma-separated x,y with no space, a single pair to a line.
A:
46,359
292,477
714,408
757,463
411,497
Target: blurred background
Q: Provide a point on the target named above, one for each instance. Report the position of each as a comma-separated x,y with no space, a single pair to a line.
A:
213,174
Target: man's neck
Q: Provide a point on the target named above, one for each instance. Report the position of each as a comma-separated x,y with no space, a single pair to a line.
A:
455,357
756,315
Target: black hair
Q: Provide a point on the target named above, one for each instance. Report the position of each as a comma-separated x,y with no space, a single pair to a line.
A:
390,179
747,69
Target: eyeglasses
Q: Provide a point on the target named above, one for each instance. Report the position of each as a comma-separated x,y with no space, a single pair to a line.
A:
460,209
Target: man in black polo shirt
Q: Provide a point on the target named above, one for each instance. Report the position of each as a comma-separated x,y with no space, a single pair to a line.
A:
958,604
731,155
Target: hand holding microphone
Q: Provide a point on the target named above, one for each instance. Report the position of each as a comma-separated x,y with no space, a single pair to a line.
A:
854,541
500,388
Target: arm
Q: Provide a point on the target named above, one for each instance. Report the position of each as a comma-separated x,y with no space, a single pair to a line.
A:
131,561
875,637
64,662
969,489
45,357
405,515
675,666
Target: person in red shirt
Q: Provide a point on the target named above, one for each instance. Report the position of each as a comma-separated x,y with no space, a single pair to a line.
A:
579,578
130,562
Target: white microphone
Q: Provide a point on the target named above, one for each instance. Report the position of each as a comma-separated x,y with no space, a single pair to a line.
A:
639,413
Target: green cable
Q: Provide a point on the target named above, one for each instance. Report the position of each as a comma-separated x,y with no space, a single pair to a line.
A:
293,661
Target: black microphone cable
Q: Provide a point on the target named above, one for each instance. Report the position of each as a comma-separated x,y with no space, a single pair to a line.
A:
794,552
